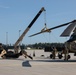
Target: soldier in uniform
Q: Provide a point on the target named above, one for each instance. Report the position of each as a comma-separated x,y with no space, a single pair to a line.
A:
2,50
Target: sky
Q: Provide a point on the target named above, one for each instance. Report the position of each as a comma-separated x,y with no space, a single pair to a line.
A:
16,15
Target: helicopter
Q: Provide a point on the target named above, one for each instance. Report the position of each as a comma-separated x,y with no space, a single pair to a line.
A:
70,45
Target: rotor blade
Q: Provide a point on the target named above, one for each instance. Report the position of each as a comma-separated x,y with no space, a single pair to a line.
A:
52,28
35,34
68,30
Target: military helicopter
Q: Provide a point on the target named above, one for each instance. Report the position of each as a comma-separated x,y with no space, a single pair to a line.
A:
70,45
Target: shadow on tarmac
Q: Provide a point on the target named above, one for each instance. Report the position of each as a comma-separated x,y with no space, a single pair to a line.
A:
26,64
55,60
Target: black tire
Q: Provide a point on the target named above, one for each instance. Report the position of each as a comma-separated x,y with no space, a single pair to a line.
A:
69,56
60,56
51,56
74,54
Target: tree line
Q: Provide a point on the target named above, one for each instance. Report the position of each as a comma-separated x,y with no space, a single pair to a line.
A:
36,45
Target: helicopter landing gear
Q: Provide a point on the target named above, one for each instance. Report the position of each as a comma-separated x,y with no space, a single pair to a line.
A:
51,56
67,57
60,56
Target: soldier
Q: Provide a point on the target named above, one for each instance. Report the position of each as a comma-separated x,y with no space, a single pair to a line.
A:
54,52
2,50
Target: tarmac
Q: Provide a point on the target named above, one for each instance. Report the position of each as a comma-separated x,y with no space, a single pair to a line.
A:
40,65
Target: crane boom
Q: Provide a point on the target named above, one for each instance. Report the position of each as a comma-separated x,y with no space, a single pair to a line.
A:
27,29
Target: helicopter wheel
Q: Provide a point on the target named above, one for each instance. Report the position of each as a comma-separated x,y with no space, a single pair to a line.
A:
69,57
60,56
51,56
74,54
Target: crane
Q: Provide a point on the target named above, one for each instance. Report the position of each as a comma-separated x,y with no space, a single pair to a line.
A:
26,30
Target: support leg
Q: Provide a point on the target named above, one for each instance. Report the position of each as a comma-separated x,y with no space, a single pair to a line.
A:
26,55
